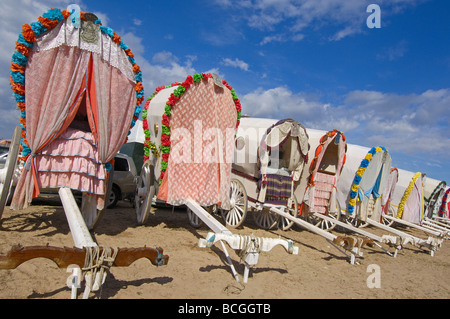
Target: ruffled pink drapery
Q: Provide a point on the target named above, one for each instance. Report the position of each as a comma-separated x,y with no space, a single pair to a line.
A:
56,81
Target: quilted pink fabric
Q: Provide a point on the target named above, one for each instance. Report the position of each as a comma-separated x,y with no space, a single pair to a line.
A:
203,125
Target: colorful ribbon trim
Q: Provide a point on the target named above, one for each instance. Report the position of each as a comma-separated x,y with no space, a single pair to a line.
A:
359,173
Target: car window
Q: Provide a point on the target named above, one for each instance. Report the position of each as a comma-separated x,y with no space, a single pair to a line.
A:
120,164
4,149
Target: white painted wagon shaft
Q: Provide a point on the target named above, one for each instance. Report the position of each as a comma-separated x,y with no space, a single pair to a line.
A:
389,240
81,237
221,233
349,245
438,222
432,243
9,170
249,246
436,226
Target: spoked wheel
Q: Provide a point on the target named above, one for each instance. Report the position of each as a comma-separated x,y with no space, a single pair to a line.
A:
326,224
194,220
7,172
292,209
387,221
265,218
145,190
238,201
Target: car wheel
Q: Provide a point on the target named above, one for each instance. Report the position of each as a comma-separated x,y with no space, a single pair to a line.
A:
113,197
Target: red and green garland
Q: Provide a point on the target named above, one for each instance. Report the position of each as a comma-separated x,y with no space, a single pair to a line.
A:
24,45
165,123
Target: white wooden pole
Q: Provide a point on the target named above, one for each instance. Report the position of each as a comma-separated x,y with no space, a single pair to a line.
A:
80,234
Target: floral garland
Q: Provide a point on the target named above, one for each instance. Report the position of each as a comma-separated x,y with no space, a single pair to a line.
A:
408,191
359,173
165,124
24,45
443,204
438,188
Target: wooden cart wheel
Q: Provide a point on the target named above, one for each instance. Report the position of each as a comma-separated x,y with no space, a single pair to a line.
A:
9,168
265,218
285,223
238,201
145,190
387,221
325,224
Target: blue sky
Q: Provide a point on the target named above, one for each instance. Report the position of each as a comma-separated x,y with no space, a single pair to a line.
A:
312,60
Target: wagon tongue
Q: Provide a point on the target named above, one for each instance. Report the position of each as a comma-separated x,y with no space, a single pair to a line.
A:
64,257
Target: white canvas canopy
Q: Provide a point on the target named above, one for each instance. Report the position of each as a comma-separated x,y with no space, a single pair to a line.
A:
388,193
267,147
363,181
326,160
408,197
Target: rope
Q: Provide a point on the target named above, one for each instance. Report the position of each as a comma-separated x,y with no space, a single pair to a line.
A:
98,263
250,245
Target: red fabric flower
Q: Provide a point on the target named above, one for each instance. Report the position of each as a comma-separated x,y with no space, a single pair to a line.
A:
226,84
172,99
165,157
165,140
165,120
145,124
159,88
238,105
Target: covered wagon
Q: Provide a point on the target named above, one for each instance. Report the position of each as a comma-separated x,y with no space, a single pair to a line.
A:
362,183
190,130
79,91
327,159
267,167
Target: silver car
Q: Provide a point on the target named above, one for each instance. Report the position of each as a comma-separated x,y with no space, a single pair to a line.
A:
124,180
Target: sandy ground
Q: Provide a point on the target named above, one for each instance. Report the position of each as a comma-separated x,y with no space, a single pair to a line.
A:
318,271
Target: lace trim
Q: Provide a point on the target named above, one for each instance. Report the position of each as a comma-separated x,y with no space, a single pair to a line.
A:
65,34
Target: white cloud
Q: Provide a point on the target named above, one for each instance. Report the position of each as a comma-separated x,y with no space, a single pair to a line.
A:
414,123
289,17
235,63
